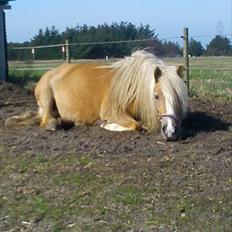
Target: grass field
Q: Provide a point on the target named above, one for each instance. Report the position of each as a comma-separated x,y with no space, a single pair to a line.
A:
209,76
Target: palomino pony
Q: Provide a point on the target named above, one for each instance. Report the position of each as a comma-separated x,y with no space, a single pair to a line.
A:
138,92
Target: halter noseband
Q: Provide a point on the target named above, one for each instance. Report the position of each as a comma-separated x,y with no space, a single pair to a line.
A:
161,116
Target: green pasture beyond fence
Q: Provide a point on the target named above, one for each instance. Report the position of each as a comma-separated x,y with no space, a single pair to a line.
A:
209,76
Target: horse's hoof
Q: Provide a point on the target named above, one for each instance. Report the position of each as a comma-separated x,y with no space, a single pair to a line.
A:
52,125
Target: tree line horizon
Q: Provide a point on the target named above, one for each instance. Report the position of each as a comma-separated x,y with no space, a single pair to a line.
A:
122,31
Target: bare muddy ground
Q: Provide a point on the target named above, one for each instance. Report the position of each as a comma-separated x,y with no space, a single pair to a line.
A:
90,179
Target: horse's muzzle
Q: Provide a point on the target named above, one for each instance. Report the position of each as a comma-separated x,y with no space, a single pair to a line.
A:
170,135
169,128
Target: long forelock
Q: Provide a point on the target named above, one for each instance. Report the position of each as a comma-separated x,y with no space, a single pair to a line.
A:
134,82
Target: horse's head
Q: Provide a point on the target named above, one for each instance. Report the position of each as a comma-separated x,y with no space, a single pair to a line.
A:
170,97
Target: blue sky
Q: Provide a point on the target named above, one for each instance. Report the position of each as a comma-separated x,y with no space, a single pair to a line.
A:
167,17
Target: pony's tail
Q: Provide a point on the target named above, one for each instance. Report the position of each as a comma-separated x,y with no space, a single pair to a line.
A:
28,118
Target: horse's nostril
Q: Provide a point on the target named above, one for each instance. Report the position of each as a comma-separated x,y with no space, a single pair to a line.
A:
164,130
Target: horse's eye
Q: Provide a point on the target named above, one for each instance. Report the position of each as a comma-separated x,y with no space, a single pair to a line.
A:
156,96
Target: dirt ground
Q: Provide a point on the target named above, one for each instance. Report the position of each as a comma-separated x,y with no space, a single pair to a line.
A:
177,186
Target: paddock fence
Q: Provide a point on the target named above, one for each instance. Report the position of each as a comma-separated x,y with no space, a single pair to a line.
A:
207,76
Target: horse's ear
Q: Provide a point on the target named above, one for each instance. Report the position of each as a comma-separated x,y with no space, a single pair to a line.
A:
180,71
157,74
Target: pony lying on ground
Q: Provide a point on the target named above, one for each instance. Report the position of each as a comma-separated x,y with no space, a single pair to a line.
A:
138,92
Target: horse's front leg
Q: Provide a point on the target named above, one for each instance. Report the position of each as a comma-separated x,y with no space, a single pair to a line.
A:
124,123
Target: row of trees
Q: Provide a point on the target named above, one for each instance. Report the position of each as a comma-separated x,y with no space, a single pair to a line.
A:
218,46
122,31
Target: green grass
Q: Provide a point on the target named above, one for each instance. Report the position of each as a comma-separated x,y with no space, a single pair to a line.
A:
209,76
211,83
204,62
23,77
71,195
127,195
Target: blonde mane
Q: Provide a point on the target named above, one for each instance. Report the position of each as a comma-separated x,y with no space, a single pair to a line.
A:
134,82
175,92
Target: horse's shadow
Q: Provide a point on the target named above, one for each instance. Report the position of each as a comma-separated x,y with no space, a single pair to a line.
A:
197,122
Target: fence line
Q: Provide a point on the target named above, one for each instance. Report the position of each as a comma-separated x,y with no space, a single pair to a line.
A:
93,43
66,46
209,80
37,47
112,42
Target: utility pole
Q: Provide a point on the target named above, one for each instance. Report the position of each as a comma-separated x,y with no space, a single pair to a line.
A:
220,27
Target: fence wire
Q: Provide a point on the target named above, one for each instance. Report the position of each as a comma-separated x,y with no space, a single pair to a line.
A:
36,65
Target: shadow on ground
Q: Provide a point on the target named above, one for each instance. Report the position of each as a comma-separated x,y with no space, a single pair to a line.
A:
197,122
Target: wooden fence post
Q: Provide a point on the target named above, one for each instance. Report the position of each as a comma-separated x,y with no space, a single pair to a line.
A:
186,56
67,51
